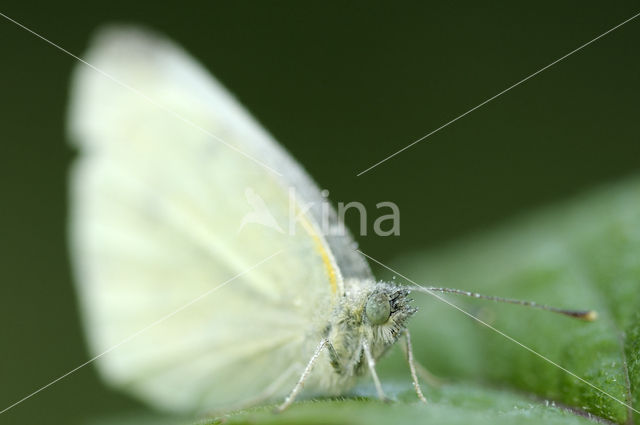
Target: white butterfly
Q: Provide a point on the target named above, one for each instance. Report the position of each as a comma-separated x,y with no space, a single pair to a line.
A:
199,292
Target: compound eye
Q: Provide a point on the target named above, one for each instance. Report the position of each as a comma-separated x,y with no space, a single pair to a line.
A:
378,308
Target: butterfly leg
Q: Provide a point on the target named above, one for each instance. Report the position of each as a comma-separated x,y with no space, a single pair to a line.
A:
305,374
412,366
372,368
419,369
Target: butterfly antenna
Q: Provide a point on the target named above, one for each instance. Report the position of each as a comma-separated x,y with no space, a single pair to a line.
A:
587,315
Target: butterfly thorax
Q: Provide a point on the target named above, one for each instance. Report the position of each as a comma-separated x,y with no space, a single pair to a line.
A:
369,313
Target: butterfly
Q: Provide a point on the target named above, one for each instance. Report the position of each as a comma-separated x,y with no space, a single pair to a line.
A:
204,285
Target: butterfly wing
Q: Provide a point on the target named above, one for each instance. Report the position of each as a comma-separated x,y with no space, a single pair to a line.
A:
188,306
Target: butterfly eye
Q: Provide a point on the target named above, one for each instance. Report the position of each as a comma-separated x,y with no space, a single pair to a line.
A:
378,308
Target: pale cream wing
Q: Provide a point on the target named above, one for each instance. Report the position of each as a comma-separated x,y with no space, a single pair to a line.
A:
204,310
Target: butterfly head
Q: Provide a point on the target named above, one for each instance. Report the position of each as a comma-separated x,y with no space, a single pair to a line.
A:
387,309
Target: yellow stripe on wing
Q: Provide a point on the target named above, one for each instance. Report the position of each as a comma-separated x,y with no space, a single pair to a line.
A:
324,253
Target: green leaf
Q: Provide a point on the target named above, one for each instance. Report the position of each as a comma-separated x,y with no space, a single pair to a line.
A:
451,404
584,254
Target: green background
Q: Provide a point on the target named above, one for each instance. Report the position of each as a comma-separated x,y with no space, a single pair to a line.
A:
341,85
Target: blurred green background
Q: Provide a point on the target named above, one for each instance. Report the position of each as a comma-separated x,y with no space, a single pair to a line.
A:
341,85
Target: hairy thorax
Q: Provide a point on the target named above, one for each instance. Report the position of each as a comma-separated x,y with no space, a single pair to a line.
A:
369,313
